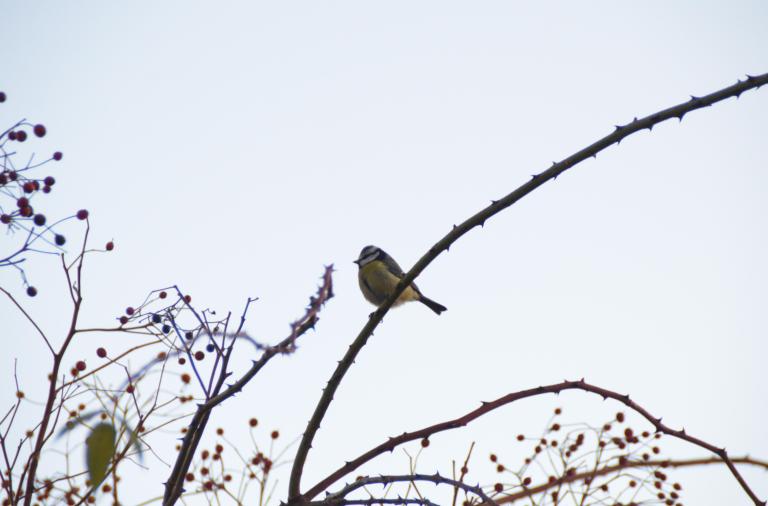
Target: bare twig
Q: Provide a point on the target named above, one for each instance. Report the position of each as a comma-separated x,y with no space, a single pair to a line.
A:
29,318
630,464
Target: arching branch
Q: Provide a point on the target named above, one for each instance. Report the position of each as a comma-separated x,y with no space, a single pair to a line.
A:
620,133
487,407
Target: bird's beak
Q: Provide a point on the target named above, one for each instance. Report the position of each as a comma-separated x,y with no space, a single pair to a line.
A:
356,262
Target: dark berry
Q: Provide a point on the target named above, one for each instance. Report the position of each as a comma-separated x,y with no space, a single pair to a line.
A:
39,130
2,97
110,246
166,329
82,214
156,318
60,240
12,135
5,219
101,352
49,181
12,175
31,291
21,136
187,299
46,189
80,365
57,156
129,311
209,348
22,202
39,220
123,320
163,295
188,335
3,179
199,355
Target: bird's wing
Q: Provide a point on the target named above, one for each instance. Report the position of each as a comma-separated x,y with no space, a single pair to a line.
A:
398,271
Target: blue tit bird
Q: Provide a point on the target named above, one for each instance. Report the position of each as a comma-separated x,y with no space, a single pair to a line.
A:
378,276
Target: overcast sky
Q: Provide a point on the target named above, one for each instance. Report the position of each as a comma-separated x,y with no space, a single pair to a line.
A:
234,148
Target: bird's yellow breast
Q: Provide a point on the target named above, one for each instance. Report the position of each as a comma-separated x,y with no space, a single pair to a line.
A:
377,283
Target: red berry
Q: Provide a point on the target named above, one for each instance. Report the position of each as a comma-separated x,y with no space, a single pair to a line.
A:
80,365
39,220
129,311
275,434
199,355
101,352
39,130
36,185
57,156
82,214
129,389
163,295
31,291
26,211
187,299
22,202
5,219
21,136
28,187
49,181
110,246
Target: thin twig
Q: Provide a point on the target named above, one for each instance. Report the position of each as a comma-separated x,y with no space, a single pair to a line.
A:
385,480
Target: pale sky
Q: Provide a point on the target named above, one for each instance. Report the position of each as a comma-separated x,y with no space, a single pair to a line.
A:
234,148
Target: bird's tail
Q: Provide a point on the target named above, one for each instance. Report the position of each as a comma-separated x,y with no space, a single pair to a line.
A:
431,304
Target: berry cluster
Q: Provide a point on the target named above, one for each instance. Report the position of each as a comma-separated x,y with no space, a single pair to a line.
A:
20,190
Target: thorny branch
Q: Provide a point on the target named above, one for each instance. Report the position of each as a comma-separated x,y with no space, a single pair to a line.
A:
478,220
432,478
487,407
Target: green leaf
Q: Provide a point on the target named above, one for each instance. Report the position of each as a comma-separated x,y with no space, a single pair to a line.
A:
99,450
